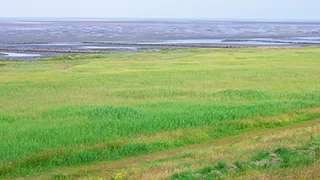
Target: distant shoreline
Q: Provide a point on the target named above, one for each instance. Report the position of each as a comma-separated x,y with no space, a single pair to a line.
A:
154,20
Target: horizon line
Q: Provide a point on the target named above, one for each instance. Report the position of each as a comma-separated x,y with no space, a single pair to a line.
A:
161,18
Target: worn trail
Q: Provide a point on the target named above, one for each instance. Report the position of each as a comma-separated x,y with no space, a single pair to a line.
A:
127,162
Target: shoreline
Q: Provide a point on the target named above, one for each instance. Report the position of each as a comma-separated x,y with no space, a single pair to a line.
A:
27,50
50,49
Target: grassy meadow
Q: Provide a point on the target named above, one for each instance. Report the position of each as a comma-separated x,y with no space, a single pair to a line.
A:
83,109
289,152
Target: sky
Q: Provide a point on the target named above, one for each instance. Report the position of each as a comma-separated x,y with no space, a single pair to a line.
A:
197,9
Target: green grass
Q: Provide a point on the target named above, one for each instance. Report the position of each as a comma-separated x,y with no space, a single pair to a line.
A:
280,158
258,154
285,158
81,109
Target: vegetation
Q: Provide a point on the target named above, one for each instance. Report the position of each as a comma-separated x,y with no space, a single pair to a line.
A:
289,152
278,159
75,110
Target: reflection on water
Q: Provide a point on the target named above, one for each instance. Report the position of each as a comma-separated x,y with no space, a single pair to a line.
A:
187,41
109,47
9,54
221,41
242,41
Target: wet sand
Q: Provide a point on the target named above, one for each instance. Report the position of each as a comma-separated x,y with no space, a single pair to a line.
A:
45,37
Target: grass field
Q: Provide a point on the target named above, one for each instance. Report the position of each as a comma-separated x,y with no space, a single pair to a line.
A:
82,109
290,152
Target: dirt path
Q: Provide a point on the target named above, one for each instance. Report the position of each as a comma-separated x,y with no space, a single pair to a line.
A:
127,162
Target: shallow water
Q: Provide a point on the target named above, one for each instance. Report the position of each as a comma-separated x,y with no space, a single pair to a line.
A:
219,41
15,31
9,54
108,47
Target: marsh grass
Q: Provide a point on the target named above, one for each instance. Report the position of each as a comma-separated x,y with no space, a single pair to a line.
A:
280,158
245,156
81,109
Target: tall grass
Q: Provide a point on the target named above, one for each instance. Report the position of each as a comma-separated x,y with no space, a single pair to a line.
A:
280,159
82,109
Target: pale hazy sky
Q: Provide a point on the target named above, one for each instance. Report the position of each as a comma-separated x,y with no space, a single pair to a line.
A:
239,9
